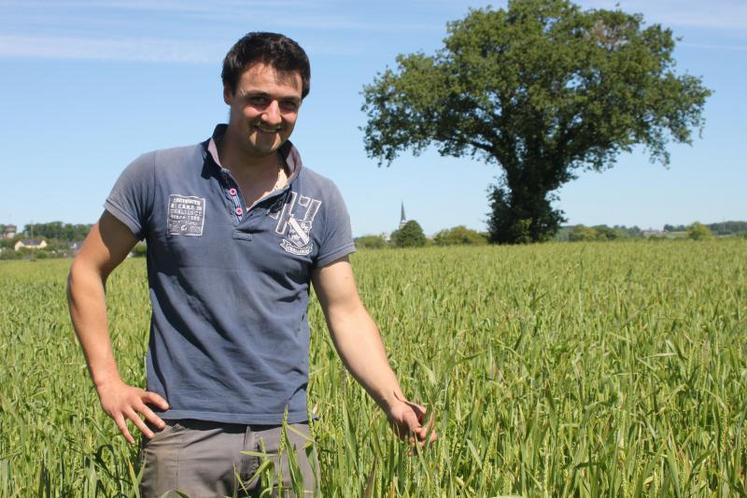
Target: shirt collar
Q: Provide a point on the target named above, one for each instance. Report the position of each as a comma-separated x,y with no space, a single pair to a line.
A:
288,152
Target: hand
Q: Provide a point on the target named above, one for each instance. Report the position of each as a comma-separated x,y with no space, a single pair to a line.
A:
407,422
122,402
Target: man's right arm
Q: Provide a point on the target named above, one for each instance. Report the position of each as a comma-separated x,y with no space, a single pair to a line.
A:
104,249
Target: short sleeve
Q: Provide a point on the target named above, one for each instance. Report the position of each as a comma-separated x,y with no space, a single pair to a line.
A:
132,198
337,237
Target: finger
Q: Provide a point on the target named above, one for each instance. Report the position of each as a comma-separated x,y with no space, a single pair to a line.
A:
151,417
139,423
419,413
430,432
424,441
422,436
414,424
427,434
122,425
155,399
429,425
418,410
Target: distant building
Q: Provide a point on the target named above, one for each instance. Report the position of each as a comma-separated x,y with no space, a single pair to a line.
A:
402,217
30,244
75,247
10,231
652,232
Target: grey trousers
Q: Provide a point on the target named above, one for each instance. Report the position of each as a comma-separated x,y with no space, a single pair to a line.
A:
205,460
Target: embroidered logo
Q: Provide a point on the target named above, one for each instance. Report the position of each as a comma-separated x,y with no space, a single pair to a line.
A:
295,223
186,215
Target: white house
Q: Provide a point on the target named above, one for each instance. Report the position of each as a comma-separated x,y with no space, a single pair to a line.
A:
30,244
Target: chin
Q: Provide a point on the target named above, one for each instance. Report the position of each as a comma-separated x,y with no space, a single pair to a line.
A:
263,144
264,150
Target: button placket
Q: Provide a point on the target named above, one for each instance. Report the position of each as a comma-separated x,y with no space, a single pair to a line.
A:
232,193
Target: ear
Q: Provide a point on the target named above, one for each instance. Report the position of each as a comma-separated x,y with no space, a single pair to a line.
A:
227,94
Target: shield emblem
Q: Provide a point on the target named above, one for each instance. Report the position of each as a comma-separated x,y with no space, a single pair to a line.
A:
299,232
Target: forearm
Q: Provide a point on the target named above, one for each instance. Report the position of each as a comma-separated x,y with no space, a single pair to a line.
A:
361,349
105,247
87,302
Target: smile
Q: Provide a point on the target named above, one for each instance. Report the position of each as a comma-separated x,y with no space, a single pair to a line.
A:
267,130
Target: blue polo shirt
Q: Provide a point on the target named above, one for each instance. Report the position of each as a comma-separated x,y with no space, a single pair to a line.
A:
229,283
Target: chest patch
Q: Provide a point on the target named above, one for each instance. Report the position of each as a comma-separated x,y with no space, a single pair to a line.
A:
186,215
295,222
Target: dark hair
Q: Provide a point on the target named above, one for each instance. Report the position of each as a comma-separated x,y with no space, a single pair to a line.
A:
273,49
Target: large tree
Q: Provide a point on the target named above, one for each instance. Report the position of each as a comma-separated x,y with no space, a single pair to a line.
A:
542,89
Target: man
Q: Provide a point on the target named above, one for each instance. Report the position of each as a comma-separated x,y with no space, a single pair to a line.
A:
236,229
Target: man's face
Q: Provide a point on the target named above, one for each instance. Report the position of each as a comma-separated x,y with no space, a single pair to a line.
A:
263,108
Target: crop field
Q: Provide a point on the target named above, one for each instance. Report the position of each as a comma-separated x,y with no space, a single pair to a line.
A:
554,370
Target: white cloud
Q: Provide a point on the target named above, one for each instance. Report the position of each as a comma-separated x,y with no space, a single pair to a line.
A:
715,46
138,49
89,29
162,5
715,14
123,49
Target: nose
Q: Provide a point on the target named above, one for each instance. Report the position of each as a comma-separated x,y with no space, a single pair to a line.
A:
271,115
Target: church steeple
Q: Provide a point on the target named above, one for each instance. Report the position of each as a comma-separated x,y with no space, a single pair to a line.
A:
402,217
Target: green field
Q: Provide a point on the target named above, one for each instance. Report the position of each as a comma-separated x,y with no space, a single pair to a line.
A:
555,370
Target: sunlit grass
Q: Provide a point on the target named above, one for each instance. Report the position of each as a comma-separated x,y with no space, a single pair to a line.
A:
558,370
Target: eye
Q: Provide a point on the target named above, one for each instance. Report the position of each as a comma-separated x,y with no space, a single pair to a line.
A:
289,105
258,100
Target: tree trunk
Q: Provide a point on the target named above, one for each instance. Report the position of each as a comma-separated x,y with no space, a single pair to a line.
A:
521,210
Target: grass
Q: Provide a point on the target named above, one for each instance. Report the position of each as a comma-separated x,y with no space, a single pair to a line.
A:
555,370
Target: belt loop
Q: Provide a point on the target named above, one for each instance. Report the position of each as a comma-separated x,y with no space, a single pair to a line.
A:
248,437
249,463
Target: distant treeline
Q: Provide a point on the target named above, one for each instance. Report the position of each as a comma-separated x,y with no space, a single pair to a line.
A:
53,230
58,234
697,230
597,232
411,235
723,228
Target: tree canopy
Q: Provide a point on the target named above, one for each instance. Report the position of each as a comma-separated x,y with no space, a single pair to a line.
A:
371,242
409,235
541,89
698,231
459,235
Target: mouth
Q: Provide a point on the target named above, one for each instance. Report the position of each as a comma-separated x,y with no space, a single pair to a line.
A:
265,129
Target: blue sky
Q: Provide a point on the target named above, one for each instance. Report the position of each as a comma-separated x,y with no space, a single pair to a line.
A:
87,86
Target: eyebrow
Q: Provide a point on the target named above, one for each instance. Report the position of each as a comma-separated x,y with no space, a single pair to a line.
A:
259,93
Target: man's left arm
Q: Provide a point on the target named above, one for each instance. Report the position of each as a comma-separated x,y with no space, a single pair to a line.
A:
361,349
